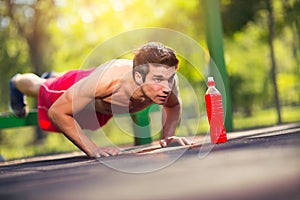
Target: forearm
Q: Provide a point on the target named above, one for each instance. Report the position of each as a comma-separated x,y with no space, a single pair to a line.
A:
170,120
71,129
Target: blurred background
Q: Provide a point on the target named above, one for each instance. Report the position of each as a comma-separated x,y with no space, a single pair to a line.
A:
261,48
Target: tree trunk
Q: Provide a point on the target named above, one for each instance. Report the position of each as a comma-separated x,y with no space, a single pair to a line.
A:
34,39
273,61
36,57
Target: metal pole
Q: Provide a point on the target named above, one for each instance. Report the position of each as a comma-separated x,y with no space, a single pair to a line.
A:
141,127
214,39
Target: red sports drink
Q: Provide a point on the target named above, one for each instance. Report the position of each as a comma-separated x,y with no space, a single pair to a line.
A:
215,113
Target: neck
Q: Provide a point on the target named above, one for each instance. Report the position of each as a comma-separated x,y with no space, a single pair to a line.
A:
138,94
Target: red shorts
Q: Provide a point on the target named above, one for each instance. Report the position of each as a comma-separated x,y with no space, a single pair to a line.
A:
53,88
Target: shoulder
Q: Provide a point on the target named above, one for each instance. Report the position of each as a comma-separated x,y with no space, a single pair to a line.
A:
113,69
116,63
108,75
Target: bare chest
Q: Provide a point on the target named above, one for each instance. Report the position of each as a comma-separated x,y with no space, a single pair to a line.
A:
119,107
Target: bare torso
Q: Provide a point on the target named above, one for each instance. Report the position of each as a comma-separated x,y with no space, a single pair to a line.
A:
124,95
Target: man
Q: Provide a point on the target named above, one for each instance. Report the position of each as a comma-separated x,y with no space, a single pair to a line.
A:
72,101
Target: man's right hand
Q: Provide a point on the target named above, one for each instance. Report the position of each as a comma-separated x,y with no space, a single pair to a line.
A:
105,151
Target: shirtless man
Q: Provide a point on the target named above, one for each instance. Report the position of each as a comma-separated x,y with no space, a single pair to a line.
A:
68,103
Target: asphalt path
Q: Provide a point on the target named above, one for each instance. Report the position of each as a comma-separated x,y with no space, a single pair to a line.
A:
255,164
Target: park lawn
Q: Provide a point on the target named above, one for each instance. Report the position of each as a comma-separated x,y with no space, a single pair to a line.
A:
18,142
266,118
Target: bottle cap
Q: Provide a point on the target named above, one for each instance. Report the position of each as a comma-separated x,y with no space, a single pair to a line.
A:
211,81
210,78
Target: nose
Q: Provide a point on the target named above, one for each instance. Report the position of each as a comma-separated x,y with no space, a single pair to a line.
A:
166,88
166,92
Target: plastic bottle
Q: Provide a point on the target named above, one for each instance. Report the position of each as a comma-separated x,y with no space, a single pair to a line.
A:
215,113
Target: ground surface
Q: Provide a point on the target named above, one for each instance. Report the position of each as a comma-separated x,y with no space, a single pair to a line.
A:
258,164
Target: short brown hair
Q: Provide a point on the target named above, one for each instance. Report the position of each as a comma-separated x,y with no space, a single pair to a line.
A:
153,53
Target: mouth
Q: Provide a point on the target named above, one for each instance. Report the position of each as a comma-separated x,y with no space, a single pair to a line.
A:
163,98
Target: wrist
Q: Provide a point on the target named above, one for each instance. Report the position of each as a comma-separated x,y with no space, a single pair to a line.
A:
166,135
92,151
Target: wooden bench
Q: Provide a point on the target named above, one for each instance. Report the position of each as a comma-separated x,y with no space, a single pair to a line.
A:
9,120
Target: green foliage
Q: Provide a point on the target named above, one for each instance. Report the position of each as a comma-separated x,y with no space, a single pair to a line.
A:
13,59
248,64
237,14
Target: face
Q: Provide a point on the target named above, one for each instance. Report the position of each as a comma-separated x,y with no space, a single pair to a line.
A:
159,83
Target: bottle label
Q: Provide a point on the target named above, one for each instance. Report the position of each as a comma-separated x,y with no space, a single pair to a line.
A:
215,117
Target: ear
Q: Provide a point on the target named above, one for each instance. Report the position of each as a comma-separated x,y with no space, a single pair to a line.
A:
138,78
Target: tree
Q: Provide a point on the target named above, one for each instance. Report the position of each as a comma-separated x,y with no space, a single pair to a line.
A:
292,19
237,14
272,57
30,20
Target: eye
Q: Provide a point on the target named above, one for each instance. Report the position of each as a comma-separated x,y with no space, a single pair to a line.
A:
171,80
157,80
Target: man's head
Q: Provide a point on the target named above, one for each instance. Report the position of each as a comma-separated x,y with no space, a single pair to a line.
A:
154,67
155,54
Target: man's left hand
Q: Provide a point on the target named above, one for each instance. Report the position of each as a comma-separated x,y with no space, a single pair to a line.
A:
182,141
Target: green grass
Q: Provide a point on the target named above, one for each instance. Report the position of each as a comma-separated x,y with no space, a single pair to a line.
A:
266,118
18,142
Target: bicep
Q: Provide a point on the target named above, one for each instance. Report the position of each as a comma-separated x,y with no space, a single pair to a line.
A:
71,102
76,97
97,85
85,91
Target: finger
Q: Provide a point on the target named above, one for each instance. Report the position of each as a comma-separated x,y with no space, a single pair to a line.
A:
170,139
118,152
97,155
114,151
186,141
163,143
180,141
105,154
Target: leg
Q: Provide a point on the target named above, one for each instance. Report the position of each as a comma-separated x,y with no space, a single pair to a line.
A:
22,85
19,86
28,84
51,74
